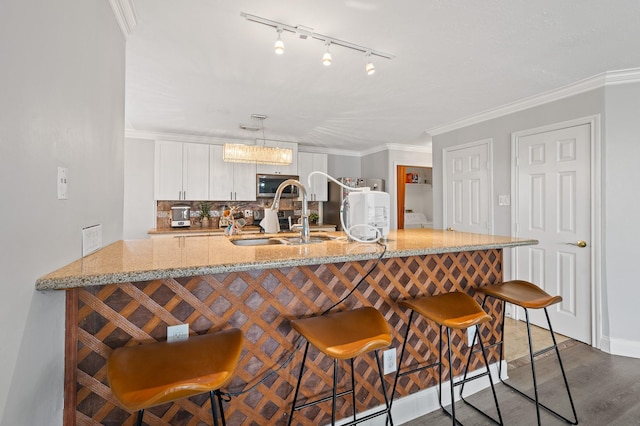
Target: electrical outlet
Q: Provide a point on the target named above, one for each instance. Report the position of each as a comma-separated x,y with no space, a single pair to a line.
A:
389,360
91,239
508,310
471,331
176,333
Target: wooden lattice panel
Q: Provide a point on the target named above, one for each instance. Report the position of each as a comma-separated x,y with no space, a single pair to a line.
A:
261,303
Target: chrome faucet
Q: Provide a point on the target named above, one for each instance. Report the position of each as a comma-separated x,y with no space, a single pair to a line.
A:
304,232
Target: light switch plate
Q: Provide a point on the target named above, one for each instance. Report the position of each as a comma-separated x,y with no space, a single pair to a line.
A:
504,200
62,183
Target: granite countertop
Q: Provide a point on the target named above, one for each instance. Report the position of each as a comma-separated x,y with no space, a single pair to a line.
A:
149,259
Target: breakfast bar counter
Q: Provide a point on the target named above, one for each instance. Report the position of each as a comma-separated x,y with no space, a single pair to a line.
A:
141,260
129,292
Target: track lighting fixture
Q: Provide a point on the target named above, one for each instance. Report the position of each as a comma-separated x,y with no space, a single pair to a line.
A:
279,46
326,58
369,68
305,33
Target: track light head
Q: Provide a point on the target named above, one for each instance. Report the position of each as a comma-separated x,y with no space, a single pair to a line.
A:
369,68
279,46
326,58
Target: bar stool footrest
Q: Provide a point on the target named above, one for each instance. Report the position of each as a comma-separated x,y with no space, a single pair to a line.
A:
365,418
549,410
416,369
318,401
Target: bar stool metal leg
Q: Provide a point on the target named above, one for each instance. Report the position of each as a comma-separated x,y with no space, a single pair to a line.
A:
529,296
344,336
488,373
447,309
532,355
295,395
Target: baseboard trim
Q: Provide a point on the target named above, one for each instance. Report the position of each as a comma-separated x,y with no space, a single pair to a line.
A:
622,347
426,401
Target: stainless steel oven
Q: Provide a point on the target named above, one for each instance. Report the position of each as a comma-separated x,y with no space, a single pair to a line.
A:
267,185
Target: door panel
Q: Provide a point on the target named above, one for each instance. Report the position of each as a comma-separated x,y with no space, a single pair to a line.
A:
554,207
467,188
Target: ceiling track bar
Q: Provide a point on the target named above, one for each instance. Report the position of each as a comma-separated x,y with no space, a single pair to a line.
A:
324,38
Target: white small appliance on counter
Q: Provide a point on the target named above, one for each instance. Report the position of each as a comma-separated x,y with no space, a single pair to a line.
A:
180,216
366,212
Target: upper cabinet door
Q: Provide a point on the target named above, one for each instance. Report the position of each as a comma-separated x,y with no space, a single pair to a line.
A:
221,176
168,171
291,169
320,187
311,162
230,181
195,171
244,178
182,171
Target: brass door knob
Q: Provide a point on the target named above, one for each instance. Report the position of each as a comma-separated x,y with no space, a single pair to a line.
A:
580,244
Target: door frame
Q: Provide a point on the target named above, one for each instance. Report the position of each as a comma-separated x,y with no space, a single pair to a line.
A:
445,183
596,211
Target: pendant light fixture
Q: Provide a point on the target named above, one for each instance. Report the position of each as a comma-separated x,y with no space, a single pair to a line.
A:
258,154
326,58
279,46
369,68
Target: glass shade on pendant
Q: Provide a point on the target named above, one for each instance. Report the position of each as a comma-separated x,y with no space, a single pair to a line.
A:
260,154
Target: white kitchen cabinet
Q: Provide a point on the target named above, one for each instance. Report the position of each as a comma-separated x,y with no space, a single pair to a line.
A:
270,169
182,171
310,162
230,181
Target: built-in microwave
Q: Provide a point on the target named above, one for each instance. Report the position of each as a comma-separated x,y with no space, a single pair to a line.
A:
267,185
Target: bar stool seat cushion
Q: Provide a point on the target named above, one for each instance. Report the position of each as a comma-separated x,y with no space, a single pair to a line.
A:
521,293
454,310
345,335
146,375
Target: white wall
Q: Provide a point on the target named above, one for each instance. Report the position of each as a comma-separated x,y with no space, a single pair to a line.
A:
343,166
622,210
500,130
62,104
139,203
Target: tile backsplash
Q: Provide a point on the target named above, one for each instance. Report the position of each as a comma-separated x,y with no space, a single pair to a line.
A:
163,215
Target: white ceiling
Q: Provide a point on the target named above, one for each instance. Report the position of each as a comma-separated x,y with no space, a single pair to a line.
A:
197,67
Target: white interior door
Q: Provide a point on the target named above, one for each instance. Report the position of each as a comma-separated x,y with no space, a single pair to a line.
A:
467,187
553,175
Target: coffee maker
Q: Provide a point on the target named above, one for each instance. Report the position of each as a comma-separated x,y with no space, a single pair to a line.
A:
180,216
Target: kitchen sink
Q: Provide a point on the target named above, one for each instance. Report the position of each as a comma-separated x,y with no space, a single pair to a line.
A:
312,240
257,242
277,241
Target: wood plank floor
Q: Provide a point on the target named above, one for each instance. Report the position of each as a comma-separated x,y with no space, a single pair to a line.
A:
605,389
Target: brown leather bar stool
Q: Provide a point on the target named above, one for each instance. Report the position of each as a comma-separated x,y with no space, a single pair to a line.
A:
151,374
344,336
530,296
453,310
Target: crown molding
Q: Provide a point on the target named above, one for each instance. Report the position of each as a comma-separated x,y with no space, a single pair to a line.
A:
126,16
598,81
181,137
326,150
